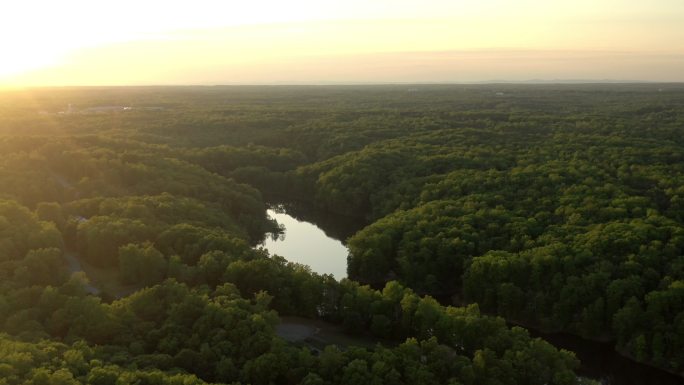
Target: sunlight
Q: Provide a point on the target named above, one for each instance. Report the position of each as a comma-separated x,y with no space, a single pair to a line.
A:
86,42
19,59
37,34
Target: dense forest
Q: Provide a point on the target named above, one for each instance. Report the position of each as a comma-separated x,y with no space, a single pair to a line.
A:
556,207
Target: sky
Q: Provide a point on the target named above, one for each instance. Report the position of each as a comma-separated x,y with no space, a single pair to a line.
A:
136,42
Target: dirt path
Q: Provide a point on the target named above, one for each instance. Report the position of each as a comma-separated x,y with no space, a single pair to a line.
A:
105,280
75,267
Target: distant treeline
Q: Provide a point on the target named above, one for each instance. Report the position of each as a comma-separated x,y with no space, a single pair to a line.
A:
558,206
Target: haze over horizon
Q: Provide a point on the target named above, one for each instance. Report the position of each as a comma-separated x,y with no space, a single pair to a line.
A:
310,42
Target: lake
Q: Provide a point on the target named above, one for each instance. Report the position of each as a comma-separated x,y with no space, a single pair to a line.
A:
307,243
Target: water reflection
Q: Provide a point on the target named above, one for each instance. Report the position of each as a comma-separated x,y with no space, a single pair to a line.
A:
306,243
335,226
601,362
324,252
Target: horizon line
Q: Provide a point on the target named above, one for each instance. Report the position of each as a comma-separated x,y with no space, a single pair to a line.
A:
330,83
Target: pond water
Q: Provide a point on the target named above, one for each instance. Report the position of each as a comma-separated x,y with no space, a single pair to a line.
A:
599,361
305,242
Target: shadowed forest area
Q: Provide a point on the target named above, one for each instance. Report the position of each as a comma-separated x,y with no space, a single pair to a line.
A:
559,207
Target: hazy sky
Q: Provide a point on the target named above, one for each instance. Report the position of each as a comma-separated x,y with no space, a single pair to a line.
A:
79,42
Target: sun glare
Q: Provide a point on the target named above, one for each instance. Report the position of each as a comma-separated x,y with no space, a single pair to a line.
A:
88,42
21,60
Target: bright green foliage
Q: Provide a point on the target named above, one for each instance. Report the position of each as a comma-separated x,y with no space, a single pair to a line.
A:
558,206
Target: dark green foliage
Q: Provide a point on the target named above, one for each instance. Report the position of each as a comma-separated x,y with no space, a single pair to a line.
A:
172,333
558,206
141,264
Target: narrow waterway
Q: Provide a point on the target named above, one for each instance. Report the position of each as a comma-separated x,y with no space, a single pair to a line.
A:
315,239
601,362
